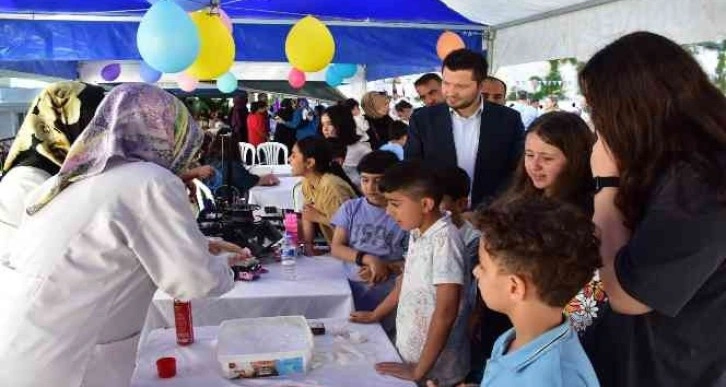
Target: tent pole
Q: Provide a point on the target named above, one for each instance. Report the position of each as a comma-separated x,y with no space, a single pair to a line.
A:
488,41
554,13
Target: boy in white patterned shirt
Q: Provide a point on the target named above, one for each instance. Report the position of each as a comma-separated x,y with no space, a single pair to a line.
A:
431,296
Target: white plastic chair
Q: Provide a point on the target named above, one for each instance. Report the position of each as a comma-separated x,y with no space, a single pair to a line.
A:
268,153
247,152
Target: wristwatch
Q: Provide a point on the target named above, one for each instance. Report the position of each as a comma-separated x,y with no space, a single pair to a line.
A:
359,258
601,182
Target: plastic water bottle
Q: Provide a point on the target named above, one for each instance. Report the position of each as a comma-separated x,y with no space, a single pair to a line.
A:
288,257
290,223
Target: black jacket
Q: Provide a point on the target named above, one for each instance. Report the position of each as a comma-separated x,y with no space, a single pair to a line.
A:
501,143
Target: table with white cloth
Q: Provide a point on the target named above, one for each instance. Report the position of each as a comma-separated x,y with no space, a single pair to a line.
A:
283,196
320,290
284,170
336,361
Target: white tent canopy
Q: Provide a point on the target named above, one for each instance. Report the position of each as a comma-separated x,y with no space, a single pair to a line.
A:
525,31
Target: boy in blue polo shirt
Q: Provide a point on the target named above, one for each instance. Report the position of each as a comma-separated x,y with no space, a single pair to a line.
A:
534,256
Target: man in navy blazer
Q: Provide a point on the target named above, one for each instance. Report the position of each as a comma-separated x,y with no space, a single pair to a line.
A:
484,139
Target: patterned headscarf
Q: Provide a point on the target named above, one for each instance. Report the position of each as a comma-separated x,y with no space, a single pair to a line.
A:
136,122
55,119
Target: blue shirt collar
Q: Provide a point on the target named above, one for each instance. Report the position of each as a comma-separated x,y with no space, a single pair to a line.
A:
522,357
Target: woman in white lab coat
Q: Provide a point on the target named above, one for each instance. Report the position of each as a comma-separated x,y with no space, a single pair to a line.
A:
55,119
101,236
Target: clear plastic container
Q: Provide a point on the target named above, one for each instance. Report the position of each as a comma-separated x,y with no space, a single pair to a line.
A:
268,346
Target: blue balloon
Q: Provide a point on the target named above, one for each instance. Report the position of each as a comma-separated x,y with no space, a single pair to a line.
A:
227,83
167,38
345,70
187,5
149,74
332,78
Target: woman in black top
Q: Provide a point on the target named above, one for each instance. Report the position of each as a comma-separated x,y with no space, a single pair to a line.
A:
375,107
662,132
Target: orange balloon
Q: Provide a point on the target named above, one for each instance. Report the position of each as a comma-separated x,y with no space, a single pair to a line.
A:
448,42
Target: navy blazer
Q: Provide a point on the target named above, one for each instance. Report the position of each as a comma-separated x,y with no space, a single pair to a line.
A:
501,143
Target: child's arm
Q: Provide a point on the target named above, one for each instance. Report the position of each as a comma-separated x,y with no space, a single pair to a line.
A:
340,249
308,233
384,308
445,313
447,305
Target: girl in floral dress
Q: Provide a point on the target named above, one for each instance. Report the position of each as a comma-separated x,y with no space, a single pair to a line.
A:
556,164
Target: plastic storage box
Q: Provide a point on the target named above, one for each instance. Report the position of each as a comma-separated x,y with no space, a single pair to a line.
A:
268,346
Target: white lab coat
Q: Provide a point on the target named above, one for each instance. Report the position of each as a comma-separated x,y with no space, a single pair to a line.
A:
82,272
14,189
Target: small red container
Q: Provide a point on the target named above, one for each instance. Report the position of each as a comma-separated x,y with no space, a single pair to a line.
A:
183,322
166,367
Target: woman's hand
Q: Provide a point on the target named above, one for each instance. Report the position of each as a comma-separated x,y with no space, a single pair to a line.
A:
238,255
312,214
268,180
602,161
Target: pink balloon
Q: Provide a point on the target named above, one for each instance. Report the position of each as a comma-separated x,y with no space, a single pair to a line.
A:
225,19
296,78
186,82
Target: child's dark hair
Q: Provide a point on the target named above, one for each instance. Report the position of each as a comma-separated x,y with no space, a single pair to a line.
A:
402,105
397,130
413,178
338,149
342,119
377,162
455,182
320,150
550,243
254,106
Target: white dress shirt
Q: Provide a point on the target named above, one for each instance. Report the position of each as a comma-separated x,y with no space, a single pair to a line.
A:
466,138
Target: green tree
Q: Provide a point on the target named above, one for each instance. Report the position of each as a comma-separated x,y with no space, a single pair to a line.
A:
551,84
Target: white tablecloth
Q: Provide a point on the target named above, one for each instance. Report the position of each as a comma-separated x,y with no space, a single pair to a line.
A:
279,170
335,363
321,290
280,196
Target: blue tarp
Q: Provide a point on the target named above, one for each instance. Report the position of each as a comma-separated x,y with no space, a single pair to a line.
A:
386,51
409,11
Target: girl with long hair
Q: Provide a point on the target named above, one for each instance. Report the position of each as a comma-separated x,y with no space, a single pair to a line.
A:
325,187
661,128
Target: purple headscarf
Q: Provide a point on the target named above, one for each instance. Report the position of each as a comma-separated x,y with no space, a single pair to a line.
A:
135,122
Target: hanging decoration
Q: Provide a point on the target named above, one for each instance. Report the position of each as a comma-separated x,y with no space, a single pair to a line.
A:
226,20
217,50
332,78
111,72
309,45
148,74
167,38
345,70
227,83
187,82
448,42
296,78
186,5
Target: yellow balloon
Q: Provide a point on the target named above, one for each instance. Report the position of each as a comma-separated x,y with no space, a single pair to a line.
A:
309,45
216,53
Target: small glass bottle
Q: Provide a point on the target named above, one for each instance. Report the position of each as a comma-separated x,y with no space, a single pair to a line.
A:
183,322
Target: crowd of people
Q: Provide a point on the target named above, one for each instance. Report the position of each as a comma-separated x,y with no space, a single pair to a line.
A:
497,246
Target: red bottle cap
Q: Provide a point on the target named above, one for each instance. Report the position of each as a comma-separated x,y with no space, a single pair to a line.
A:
166,367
